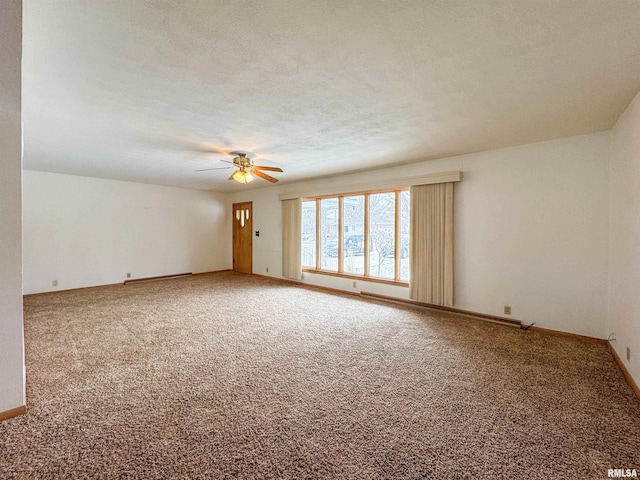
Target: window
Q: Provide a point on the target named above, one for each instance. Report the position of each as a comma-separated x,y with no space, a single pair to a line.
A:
329,234
363,235
382,214
353,218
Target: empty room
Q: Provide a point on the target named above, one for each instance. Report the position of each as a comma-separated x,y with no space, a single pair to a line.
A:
332,240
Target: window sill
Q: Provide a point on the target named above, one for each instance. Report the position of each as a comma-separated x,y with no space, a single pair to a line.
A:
397,283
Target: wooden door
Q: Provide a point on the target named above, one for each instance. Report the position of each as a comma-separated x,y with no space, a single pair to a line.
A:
242,238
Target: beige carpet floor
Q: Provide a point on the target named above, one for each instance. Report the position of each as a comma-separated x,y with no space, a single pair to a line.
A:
234,376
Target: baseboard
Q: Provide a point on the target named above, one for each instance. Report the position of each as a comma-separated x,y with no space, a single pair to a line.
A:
212,271
14,412
73,289
487,317
560,333
482,316
175,275
632,383
310,286
123,283
161,277
402,301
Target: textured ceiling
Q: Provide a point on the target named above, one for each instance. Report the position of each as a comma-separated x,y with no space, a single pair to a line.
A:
140,90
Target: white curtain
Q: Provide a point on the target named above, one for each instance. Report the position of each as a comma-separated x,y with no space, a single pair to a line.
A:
292,238
431,272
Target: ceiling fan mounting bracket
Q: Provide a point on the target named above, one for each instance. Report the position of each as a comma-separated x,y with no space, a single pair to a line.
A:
242,153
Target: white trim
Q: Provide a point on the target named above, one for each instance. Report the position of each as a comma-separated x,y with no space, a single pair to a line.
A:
442,177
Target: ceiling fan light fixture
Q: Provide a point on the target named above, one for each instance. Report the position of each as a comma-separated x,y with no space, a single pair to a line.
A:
243,176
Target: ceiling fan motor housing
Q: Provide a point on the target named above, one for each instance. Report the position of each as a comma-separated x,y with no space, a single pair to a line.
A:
242,161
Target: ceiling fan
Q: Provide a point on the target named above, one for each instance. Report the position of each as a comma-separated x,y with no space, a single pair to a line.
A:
246,169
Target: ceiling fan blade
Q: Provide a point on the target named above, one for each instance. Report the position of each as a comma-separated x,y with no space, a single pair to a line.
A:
218,168
260,174
227,161
268,169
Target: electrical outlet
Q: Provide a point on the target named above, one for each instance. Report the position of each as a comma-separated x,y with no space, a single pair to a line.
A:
267,269
507,310
354,284
128,275
54,283
628,354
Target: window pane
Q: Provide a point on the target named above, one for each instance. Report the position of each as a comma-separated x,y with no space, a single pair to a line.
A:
382,234
354,235
405,205
329,234
309,234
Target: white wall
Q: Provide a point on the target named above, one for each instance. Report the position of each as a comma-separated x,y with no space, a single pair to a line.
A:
530,231
11,337
624,237
87,231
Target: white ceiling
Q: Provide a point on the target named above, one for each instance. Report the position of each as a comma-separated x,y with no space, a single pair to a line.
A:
137,90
